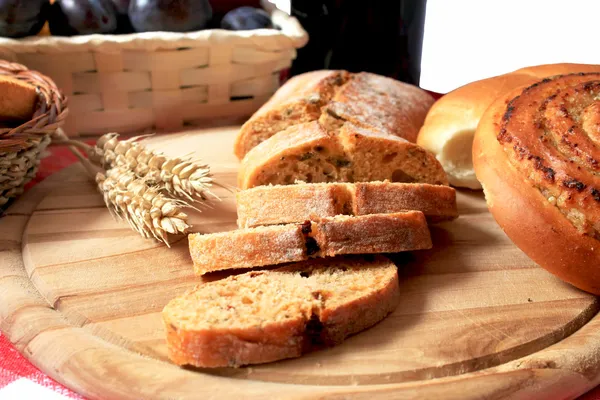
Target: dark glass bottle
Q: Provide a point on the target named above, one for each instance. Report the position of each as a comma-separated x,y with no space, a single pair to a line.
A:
317,17
379,36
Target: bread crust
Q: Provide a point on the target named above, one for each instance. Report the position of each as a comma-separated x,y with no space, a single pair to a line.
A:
298,100
310,153
530,220
451,122
283,204
323,311
17,99
247,249
371,234
365,99
278,244
384,104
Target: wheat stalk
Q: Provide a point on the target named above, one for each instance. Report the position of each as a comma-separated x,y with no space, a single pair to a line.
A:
144,207
178,176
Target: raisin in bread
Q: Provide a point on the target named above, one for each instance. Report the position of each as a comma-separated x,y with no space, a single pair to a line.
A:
278,244
263,316
365,99
325,152
283,204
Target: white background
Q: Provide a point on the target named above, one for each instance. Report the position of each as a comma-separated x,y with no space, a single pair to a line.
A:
468,40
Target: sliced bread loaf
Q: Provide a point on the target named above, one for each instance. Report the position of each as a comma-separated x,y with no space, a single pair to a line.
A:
283,204
366,99
299,100
277,244
346,153
263,316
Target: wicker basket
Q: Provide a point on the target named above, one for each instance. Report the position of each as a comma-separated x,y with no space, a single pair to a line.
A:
20,147
158,80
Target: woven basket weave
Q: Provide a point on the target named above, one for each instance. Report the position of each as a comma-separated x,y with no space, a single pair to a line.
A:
20,147
161,80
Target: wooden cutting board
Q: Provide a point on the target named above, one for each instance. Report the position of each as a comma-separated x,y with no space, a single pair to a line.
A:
81,296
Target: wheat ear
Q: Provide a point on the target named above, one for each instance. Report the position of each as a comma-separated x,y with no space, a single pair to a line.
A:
144,207
178,176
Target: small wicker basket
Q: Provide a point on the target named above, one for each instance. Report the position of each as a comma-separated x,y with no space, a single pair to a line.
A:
162,80
20,147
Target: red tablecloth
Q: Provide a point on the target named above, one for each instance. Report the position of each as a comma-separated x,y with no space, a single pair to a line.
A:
19,379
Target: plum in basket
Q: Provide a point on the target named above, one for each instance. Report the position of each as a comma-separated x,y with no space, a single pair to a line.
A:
246,18
82,17
169,15
20,18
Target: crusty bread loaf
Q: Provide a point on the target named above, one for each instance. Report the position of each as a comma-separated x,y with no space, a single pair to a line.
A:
323,152
536,155
18,99
283,204
263,316
451,122
365,99
277,244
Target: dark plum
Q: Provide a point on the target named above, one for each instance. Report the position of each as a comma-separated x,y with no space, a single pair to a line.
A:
20,18
246,18
82,17
169,15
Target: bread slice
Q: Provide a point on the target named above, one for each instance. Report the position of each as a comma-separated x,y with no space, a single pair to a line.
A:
263,316
278,244
18,99
283,204
365,99
346,153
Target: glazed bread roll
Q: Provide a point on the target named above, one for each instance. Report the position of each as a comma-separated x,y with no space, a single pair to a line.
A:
536,152
451,122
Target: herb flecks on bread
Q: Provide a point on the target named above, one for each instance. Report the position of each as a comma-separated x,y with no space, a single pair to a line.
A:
264,316
311,153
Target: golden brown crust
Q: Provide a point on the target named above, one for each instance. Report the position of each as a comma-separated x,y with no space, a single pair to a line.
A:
381,103
451,122
299,100
520,169
371,234
247,248
277,244
282,204
308,305
17,99
365,99
309,153
436,202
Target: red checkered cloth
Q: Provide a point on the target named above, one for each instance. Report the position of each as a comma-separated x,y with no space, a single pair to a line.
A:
19,379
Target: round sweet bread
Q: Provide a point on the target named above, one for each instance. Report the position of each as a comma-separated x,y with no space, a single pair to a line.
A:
537,154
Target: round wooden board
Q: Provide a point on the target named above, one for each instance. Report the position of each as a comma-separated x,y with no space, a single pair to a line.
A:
81,296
